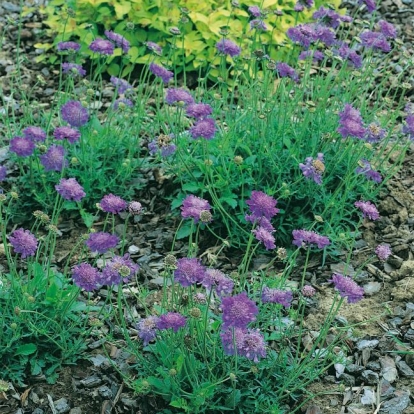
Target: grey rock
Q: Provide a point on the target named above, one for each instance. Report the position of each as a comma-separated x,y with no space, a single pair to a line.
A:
395,322
105,392
37,411
409,336
354,369
347,379
370,377
369,397
404,369
408,2
128,402
365,343
397,404
386,389
91,381
388,368
75,410
62,406
10,7
374,366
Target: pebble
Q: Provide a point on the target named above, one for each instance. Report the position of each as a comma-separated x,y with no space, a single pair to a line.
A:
389,371
404,369
10,7
374,366
91,381
347,379
397,404
370,377
369,397
37,411
386,389
354,369
365,343
105,392
62,406
75,410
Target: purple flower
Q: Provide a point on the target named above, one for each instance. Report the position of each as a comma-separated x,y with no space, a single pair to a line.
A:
70,189
306,34
74,113
22,147
368,209
161,72
305,3
383,251
203,128
327,17
351,123
282,297
218,280
71,46
54,158
121,84
189,272
308,291
172,320
65,132
175,95
154,47
119,40
101,242
147,329
122,102
3,173
286,71
376,41
347,288
366,169
198,110
345,52
265,236
314,168
408,128
35,134
227,47
119,268
113,204
134,208
86,277
254,11
387,29
166,149
23,242
258,24
323,34
238,311
261,205
371,6
231,337
102,46
73,69
193,206
316,55
304,238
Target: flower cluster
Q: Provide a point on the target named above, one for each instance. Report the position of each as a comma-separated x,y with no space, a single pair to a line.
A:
54,158
102,47
307,238
22,147
351,123
347,288
286,71
329,17
350,55
227,47
119,269
368,209
74,113
73,69
189,272
238,311
163,145
171,320
68,46
65,132
147,329
86,277
161,72
193,207
118,40
383,251
101,242
307,34
217,279
34,133
121,84
375,40
313,168
248,343
282,297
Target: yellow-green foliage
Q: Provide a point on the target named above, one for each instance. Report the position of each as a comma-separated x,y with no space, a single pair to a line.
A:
150,20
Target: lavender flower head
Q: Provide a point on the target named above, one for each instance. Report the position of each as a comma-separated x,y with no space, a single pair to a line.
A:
121,84
387,29
265,236
408,128
122,103
23,242
198,110
261,205
370,4
351,56
35,134
3,173
365,168
254,11
375,40
65,132
286,71
70,189
73,69
102,46
227,47
203,128
193,206
74,113
383,251
118,39
154,47
248,343
347,288
282,297
258,24
214,278
316,55
54,158
23,147
161,72
189,272
147,329
351,123
232,340
368,209
238,311
70,46
307,238
113,204
327,17
101,242
175,95
171,320
118,269
313,168
86,277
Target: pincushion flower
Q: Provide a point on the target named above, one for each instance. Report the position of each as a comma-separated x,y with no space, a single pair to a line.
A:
238,311
254,11
261,205
214,278
147,329
122,103
54,158
193,206
307,34
171,320
176,95
203,128
86,277
23,147
351,123
368,209
370,4
408,127
282,297
73,69
366,169
313,168
189,272
35,134
113,204
383,251
119,269
286,71
327,17
118,39
258,24
387,29
65,132
375,40
154,47
307,238
102,46
121,84
74,113
23,242
347,288
265,236
198,110
101,242
161,72
350,55
248,343
316,55
70,46
70,189
227,47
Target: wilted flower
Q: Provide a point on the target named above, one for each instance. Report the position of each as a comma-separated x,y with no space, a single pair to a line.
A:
54,158
193,206
238,311
261,205
113,204
227,47
23,147
35,134
119,40
154,47
313,168
73,69
351,123
147,329
189,272
134,208
121,84
175,95
368,209
286,71
308,291
383,251
347,288
203,128
366,169
70,189
161,72
74,113
387,29
171,320
23,242
102,46
65,132
101,242
86,277
198,110
282,297
119,268
375,41
304,238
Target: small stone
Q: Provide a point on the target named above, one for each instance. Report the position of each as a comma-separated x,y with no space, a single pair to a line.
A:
386,389
395,322
105,392
37,411
354,369
397,404
10,7
62,406
371,288
374,366
133,249
365,343
129,402
404,369
91,381
370,377
369,397
75,410
389,371
409,336
347,379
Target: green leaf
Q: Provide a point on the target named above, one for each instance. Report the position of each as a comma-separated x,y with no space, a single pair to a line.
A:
184,231
87,218
26,349
180,403
230,201
191,187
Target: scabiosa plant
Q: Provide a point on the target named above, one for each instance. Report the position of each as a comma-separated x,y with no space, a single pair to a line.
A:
387,29
73,69
23,147
347,288
313,168
113,204
102,46
307,238
368,209
193,206
253,345
70,189
35,134
350,55
227,47
74,113
254,11
119,269
189,272
286,71
282,297
101,241
65,132
69,46
54,158
370,4
258,24
171,320
175,95
316,55
147,329
121,84
232,340
154,47
118,39
198,110
23,242
351,123
161,72
366,169
383,251
238,311
265,236
261,205
214,278
122,103
86,277
3,173
308,291
203,128
375,40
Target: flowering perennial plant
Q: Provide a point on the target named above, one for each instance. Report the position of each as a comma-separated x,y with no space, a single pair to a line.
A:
347,288
23,242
